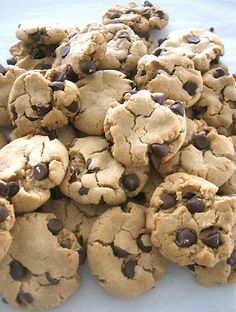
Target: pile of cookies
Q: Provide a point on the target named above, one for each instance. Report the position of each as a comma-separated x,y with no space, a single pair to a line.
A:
120,151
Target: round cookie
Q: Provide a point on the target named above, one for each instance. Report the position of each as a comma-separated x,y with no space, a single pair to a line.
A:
189,223
217,104
120,252
204,153
140,18
8,75
95,177
3,140
200,45
143,125
42,101
81,53
29,168
7,221
99,91
172,74
40,269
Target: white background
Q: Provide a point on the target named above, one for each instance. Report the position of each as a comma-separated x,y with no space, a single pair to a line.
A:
177,291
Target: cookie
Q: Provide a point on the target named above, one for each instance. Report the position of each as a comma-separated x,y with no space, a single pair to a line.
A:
7,221
40,269
95,177
8,75
229,187
217,104
146,123
120,252
200,45
140,18
172,74
42,101
189,223
204,153
3,140
81,53
29,168
99,91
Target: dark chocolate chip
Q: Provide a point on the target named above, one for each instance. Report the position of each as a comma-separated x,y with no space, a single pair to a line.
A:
52,280
160,14
4,190
73,107
147,4
65,51
11,61
218,73
129,268
160,150
185,238
115,15
3,213
83,190
24,298
178,108
40,171
59,76
71,75
42,110
146,14
2,70
215,60
13,188
158,97
169,201
119,252
193,39
125,35
36,36
195,204
144,243
57,85
212,240
55,226
38,53
190,87
17,270
201,141
212,29
232,259
188,195
88,67
130,182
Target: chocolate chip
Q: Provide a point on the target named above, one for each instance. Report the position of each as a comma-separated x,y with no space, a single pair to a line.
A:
13,188
42,110
88,67
130,181
160,14
185,238
83,191
169,201
119,252
125,35
115,15
193,39
71,75
52,281
24,298
38,53
144,243
73,107
2,70
40,171
158,97
59,76
188,195
201,141
55,226
212,240
3,213
195,204
147,3
11,61
65,51
129,268
146,14
218,73
57,85
215,60
178,108
212,29
4,190
36,36
232,259
160,150
190,87
17,270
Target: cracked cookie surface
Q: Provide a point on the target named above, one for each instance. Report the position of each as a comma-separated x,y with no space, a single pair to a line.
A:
146,123
40,269
42,101
120,252
29,168
189,223
95,177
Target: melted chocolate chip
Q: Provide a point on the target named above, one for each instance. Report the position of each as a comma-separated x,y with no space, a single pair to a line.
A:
17,270
232,259
13,188
11,61
185,238
2,70
178,108
190,87
193,39
83,191
40,171
147,4
160,150
59,76
57,85
158,97
52,281
115,15
144,243
125,35
71,75
88,67
55,226
73,107
129,268
195,204
169,201
218,73
130,182
3,213
201,141
4,190
65,51
119,252
24,298
212,240
36,36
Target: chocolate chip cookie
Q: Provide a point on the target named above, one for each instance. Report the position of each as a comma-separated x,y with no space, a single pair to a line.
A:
147,123
120,252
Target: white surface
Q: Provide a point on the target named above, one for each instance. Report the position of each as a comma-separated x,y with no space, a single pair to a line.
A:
178,291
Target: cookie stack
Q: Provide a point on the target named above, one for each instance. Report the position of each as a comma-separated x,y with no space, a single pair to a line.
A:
121,152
